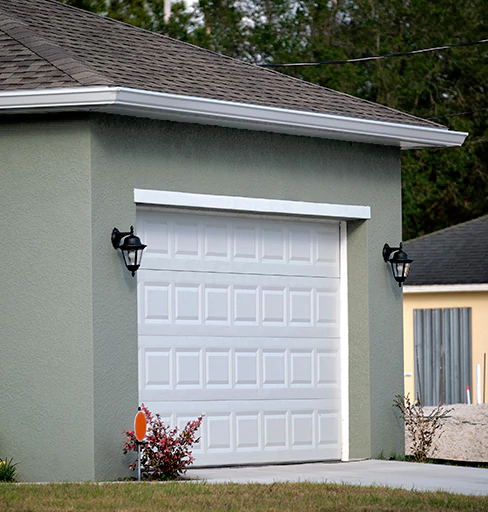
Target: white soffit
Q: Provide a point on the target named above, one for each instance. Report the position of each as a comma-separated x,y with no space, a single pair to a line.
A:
190,109
445,288
250,205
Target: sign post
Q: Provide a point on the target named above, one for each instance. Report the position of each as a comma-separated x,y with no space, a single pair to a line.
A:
140,428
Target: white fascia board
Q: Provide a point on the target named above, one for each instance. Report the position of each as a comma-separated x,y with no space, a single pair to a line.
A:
64,98
125,101
250,205
445,288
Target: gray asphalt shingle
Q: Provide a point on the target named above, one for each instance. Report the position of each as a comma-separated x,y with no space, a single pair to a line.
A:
455,255
78,48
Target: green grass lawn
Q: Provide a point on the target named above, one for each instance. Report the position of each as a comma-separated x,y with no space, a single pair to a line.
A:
194,497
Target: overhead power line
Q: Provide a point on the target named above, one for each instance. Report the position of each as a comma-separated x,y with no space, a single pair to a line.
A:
376,57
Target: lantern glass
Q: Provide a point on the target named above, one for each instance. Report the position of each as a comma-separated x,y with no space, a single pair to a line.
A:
132,251
400,269
132,259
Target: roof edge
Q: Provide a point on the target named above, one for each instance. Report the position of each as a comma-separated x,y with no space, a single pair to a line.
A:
445,288
142,103
442,231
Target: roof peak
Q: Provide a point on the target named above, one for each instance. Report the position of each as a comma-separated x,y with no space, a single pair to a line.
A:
448,229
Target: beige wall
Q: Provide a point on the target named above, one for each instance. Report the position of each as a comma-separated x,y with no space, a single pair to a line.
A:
478,301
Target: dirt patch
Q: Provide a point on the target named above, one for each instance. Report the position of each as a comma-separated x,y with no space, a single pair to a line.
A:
464,436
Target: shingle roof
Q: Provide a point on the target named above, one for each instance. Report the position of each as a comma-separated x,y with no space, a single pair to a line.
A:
46,44
455,255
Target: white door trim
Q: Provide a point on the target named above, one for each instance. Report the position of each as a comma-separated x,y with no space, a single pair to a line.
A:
251,204
295,208
344,330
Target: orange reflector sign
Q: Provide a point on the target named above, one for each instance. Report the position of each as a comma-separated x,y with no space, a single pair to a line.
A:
140,426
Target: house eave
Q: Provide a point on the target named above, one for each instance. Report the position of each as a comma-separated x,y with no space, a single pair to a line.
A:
445,288
173,107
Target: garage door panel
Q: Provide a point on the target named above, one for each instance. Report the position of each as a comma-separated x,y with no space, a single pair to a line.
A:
179,299
261,430
229,244
239,319
207,372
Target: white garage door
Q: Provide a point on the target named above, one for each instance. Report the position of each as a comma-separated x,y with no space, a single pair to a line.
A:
239,319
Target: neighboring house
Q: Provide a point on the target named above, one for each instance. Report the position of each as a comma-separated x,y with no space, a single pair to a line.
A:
445,305
263,299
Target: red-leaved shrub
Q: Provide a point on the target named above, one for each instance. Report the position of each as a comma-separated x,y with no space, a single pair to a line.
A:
166,451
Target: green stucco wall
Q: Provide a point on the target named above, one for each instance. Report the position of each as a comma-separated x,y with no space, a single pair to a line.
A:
71,337
46,361
138,153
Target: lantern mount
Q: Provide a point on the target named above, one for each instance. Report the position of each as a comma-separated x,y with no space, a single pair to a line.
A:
399,260
131,248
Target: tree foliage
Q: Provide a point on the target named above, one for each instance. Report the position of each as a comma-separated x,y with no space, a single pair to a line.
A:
441,187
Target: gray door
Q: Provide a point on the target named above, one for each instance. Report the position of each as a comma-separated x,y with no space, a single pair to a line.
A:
442,340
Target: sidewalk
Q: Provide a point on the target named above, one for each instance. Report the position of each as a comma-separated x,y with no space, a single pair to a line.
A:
406,475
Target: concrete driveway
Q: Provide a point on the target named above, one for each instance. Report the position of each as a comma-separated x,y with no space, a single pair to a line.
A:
406,475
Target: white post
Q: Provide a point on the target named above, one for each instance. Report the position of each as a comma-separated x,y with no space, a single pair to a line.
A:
468,395
478,384
138,462
167,10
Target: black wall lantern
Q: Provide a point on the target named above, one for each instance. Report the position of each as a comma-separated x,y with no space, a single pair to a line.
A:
131,248
400,262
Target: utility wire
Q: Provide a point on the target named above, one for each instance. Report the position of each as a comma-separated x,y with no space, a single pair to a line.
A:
376,57
459,114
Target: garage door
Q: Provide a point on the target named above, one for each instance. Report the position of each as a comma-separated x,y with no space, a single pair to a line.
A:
239,319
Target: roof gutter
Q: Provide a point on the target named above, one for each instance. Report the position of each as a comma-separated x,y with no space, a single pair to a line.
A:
446,288
173,107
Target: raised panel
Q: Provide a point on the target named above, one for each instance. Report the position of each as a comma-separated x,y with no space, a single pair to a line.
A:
245,305
275,430
328,427
327,246
328,368
302,429
245,243
216,304
301,306
156,235
216,241
157,303
217,368
273,247
274,368
246,367
157,368
327,307
188,368
187,303
248,431
273,304
219,432
301,368
187,240
300,249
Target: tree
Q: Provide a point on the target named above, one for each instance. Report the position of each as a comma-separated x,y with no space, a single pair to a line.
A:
440,187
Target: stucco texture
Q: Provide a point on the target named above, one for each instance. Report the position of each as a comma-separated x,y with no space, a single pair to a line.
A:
69,350
46,363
